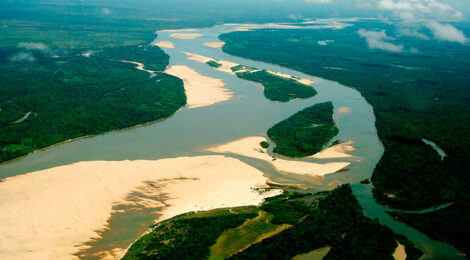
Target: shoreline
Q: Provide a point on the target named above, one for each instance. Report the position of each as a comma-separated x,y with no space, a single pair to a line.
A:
64,227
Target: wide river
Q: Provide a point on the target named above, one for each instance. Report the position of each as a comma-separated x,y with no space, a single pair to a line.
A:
249,113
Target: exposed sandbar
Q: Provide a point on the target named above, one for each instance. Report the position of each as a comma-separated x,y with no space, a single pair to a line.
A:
400,253
185,36
49,214
336,151
200,90
250,147
164,44
215,45
226,66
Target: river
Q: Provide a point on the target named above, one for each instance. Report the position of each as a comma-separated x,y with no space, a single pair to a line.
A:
249,113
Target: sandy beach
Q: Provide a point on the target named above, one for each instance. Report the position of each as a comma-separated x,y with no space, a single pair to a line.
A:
399,253
250,147
287,76
164,45
49,214
215,45
226,66
200,90
185,36
336,151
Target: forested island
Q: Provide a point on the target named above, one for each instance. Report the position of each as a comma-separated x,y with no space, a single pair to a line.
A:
306,132
48,99
277,88
282,227
414,95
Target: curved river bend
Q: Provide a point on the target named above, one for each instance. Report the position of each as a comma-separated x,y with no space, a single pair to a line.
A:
249,113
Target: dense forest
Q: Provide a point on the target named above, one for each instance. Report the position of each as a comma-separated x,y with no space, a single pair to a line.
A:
416,94
48,98
306,132
277,88
305,222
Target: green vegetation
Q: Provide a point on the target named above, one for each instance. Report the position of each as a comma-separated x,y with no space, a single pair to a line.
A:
73,96
306,132
277,88
365,182
451,224
252,231
214,64
283,227
188,236
414,95
264,144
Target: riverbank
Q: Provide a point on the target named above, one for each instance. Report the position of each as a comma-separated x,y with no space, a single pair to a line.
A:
80,198
200,90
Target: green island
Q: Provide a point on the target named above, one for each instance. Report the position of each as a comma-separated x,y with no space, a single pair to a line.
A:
52,97
414,95
277,88
281,228
214,64
306,132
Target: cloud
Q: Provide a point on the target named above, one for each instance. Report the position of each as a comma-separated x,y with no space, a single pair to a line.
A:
446,32
377,40
420,9
22,57
33,46
412,32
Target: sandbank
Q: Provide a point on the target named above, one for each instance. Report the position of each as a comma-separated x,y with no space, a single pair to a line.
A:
344,110
226,66
215,45
164,45
250,147
400,253
287,76
185,36
50,214
179,30
336,151
200,90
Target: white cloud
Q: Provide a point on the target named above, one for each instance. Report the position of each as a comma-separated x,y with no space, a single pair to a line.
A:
377,40
33,46
22,57
325,42
412,32
446,32
420,9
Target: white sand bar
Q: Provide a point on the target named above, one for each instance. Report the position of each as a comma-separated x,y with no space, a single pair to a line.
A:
164,45
287,76
49,214
215,45
225,66
200,90
399,253
250,147
185,36
336,151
